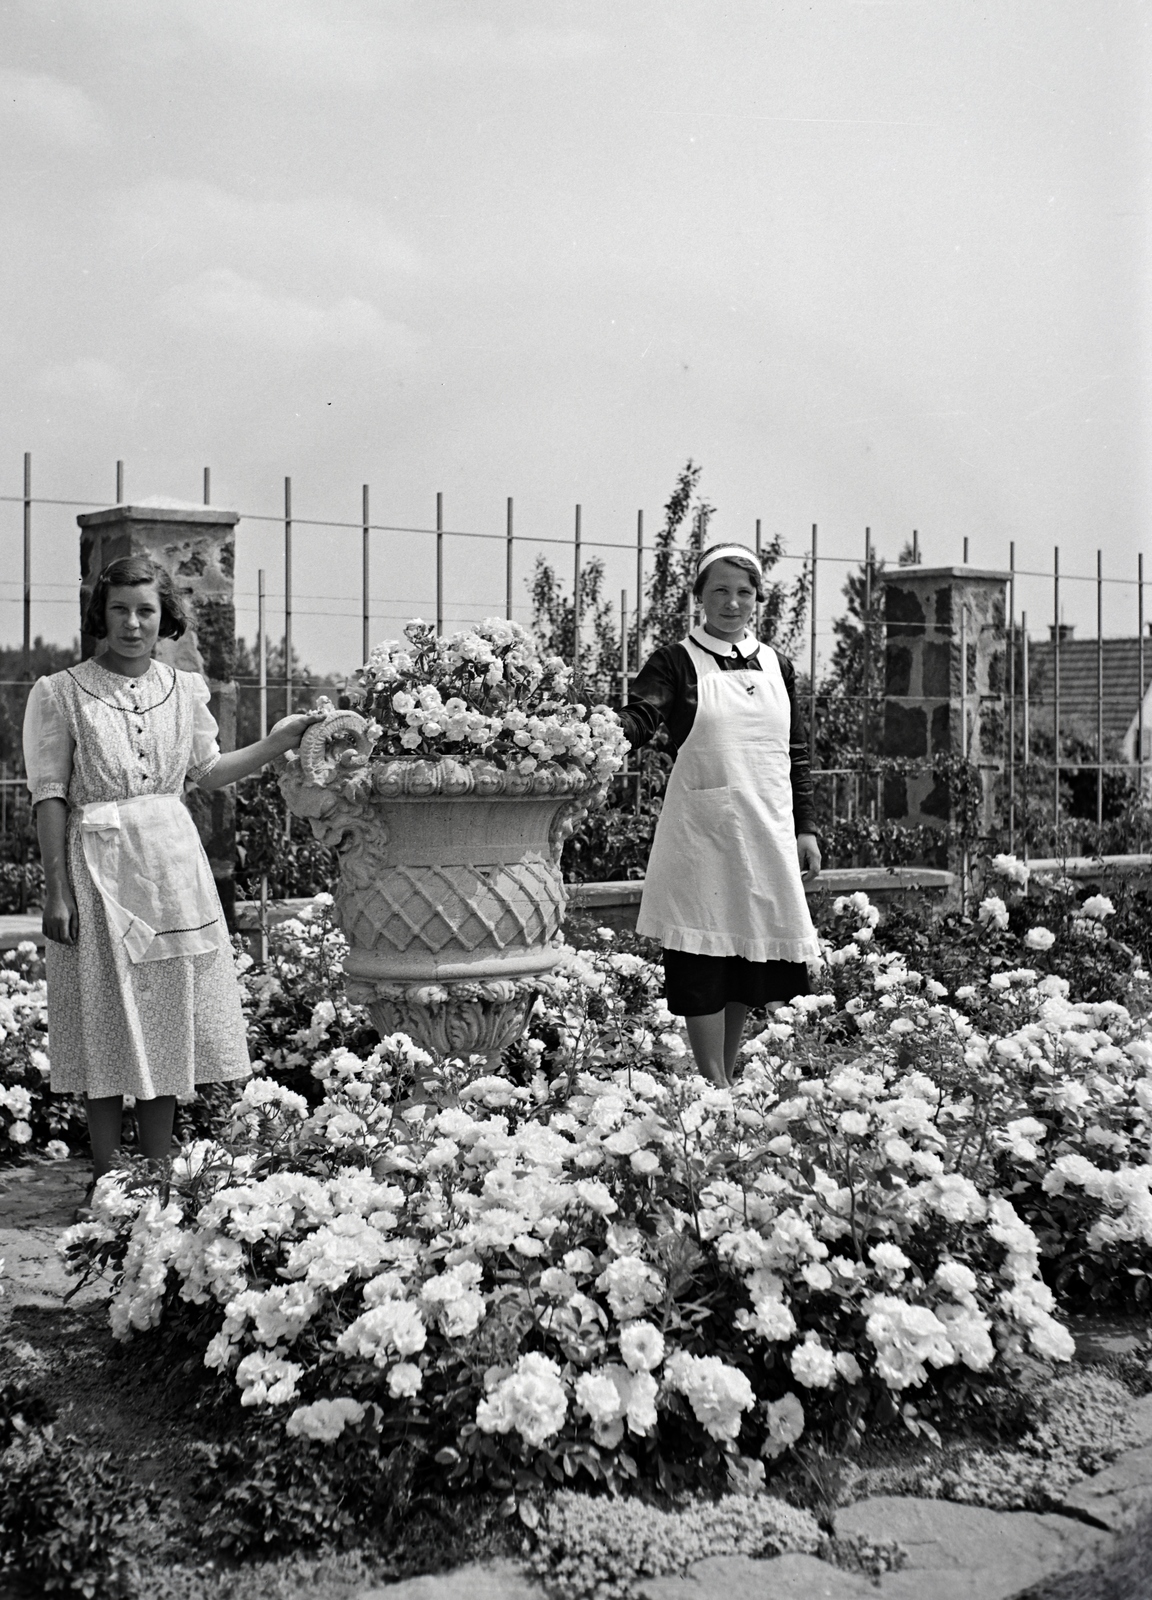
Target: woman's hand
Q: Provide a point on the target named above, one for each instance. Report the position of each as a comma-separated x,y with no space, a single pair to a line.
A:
289,731
808,851
61,921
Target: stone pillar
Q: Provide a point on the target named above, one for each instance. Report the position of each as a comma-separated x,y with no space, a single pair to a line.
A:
933,703
197,545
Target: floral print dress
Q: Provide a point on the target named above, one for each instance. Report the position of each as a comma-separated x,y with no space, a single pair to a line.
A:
117,1026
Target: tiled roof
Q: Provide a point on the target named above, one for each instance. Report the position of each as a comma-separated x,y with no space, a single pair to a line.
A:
1078,681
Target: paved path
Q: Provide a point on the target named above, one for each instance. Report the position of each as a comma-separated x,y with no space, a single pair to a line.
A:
956,1552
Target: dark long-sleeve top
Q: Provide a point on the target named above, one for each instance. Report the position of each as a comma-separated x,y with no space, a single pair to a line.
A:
664,691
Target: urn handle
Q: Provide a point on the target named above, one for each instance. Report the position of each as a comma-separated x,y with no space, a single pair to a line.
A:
335,748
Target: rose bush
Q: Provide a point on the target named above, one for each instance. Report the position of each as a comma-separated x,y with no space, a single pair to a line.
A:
597,1265
32,1120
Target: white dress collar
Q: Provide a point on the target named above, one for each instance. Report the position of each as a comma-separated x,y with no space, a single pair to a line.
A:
745,647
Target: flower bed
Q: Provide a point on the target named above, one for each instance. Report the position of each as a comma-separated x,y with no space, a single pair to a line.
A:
599,1269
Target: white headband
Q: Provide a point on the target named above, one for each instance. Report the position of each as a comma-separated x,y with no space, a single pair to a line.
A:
723,552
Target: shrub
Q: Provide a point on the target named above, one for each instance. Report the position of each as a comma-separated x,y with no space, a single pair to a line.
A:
32,1119
587,1547
64,1510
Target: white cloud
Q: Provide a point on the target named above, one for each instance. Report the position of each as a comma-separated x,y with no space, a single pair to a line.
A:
190,217
88,379
224,304
358,43
49,108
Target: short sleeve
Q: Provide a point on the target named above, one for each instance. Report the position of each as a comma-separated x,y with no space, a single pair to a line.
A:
48,745
205,733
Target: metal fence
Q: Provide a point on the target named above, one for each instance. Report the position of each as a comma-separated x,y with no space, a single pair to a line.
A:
1043,744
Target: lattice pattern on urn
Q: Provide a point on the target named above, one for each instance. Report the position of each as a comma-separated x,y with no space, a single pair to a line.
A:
468,907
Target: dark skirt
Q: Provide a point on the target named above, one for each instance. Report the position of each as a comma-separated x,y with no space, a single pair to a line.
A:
699,986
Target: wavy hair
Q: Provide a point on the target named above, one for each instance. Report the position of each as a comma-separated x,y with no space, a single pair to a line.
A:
132,572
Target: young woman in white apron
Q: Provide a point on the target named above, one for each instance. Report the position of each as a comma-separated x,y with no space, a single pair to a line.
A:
724,889
142,992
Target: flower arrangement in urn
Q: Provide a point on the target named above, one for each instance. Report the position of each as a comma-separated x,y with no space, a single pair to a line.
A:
484,695
449,809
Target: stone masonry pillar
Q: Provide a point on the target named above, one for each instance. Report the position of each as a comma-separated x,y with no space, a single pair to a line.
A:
935,703
197,545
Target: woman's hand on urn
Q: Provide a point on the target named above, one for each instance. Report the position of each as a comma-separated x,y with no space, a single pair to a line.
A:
289,731
808,851
61,922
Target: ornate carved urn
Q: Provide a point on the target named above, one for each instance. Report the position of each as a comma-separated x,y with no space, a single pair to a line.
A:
450,892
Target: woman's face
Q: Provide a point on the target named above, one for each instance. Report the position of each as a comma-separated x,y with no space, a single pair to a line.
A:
728,599
132,618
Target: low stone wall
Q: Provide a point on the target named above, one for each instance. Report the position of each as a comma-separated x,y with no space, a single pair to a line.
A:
615,905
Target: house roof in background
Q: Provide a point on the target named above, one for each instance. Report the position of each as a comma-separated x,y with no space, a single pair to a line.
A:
1078,680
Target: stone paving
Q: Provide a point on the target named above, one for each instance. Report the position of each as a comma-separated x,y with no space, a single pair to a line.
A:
956,1552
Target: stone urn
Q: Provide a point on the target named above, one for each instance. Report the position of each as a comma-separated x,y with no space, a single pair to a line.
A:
450,894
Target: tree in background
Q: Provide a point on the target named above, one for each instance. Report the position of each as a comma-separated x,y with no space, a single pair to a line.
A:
554,624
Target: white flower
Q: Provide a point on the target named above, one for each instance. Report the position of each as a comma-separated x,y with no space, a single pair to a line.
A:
889,1261
1039,938
1012,869
599,1397
531,1401
1098,906
404,1380
785,1425
718,1394
993,913
772,1319
266,1379
324,1419
19,1132
812,1364
641,1346
57,1150
393,1327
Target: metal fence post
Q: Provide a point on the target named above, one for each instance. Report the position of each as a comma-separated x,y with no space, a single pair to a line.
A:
1056,697
1140,702
812,659
288,605
365,575
760,565
1026,727
207,486
262,673
28,564
1099,691
119,483
639,590
577,599
1012,697
623,647
439,563
862,800
508,561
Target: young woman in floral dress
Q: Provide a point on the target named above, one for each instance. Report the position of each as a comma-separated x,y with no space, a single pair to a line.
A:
724,889
142,992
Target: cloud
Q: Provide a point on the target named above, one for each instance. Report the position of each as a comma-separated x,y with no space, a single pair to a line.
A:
359,43
334,233
87,379
222,303
49,108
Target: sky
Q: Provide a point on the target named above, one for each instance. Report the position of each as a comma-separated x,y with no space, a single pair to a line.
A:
871,263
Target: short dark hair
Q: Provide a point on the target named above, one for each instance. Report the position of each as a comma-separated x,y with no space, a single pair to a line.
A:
132,572
747,563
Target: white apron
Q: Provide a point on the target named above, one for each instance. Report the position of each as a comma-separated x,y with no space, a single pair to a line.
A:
723,876
149,867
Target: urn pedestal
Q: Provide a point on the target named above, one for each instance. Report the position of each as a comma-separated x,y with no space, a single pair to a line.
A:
450,893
